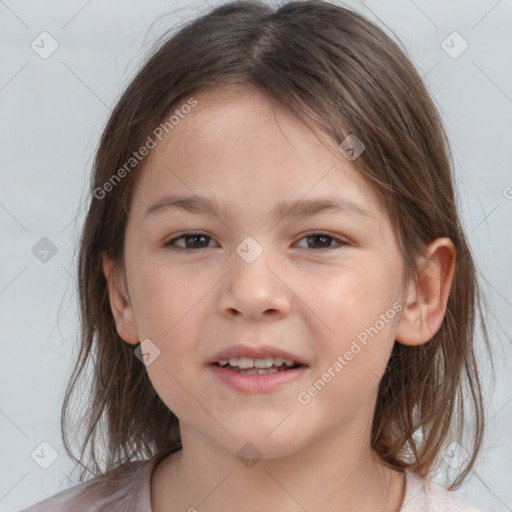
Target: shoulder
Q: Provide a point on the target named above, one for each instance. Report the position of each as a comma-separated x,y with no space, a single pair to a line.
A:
122,489
426,496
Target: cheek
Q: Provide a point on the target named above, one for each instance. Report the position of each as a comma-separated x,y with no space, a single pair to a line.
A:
167,299
361,310
172,387
350,370
355,297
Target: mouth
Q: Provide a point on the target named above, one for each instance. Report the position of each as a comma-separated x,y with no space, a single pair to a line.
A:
257,366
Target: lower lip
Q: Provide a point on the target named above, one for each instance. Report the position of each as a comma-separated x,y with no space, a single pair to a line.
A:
257,383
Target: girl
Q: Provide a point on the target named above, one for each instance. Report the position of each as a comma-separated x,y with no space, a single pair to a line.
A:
277,297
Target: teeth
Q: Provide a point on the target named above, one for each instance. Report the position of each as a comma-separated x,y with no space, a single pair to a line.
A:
265,363
254,371
245,363
263,371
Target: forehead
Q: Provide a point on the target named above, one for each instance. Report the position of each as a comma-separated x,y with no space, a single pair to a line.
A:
241,143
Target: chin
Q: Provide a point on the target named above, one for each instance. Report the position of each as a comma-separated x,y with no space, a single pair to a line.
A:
251,449
265,438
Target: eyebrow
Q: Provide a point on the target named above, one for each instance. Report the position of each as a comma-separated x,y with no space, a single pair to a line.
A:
299,208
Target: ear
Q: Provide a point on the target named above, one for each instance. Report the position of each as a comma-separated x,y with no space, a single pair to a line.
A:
425,303
120,302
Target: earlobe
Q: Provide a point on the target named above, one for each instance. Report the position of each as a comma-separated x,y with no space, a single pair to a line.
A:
120,302
425,304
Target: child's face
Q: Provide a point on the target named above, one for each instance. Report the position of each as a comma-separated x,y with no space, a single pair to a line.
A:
305,295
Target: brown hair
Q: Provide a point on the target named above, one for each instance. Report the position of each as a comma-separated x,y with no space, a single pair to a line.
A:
340,74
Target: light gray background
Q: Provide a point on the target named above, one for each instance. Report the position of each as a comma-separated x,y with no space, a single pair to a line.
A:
52,114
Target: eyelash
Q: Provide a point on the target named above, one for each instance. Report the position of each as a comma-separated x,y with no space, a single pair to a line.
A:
171,243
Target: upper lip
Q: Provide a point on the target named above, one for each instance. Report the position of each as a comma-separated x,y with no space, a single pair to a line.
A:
253,352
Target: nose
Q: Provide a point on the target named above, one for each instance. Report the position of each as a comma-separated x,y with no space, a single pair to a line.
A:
255,290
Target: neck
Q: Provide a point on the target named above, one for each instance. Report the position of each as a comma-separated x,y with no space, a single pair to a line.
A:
327,475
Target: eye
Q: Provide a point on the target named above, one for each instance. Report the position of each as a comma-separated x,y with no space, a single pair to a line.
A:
322,239
192,241
195,241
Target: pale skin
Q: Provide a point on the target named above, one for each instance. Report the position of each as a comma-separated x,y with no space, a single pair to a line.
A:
248,155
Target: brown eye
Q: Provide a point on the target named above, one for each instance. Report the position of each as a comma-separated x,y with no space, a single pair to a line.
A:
191,241
322,241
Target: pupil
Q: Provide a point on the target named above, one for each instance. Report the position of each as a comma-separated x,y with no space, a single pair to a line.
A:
194,238
322,237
